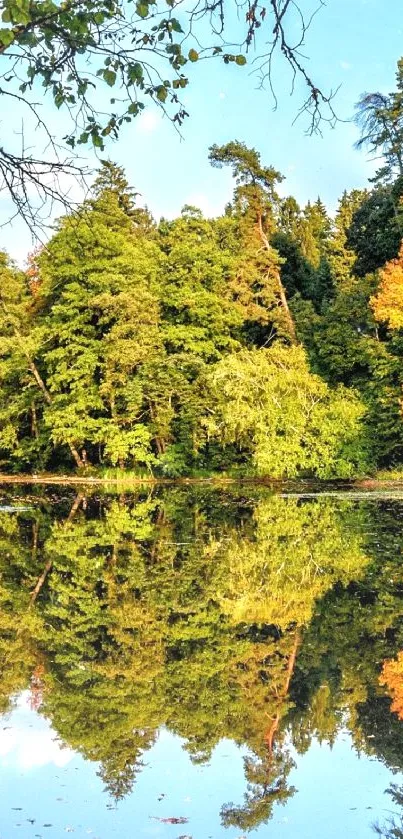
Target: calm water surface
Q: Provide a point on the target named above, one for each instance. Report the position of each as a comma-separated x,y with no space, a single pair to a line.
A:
190,662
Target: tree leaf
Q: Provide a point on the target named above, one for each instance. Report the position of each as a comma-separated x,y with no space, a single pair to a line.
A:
176,25
142,9
110,77
6,37
162,93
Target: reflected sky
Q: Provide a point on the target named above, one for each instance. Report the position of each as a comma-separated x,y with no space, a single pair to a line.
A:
49,790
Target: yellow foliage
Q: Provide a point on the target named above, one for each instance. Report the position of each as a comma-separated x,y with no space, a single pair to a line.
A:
297,554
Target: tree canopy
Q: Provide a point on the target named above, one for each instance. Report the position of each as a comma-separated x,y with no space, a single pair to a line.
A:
176,348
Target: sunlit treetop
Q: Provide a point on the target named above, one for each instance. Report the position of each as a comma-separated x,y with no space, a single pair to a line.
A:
380,118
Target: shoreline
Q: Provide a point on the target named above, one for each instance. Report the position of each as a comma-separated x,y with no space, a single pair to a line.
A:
216,480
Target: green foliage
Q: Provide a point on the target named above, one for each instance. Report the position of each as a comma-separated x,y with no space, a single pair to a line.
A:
101,320
161,348
303,239
285,418
130,52
255,206
376,228
380,118
22,437
101,62
341,258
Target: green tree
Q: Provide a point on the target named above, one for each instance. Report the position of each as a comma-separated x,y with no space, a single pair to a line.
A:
375,232
101,318
341,258
256,202
314,232
284,417
201,321
111,179
380,119
24,393
302,239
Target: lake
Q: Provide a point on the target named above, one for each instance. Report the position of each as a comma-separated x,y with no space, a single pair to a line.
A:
201,662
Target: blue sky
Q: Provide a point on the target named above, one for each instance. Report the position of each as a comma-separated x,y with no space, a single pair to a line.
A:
355,43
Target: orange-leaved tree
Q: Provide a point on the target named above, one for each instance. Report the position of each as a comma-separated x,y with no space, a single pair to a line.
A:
387,304
392,678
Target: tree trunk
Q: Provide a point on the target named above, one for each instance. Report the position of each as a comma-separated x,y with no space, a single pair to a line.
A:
48,399
41,580
48,567
34,421
35,537
270,734
46,395
76,456
281,291
159,442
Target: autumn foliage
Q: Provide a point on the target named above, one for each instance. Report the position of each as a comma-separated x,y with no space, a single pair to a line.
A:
392,678
387,304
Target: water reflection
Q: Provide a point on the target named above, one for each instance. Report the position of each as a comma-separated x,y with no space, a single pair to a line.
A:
243,617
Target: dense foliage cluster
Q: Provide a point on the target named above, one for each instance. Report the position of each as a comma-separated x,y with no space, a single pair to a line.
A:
266,341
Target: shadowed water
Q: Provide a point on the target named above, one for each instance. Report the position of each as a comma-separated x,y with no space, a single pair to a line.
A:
194,662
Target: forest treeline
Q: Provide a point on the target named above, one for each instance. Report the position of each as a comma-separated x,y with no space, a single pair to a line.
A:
267,341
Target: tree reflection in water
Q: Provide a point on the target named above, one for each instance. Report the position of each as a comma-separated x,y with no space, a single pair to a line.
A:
238,614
